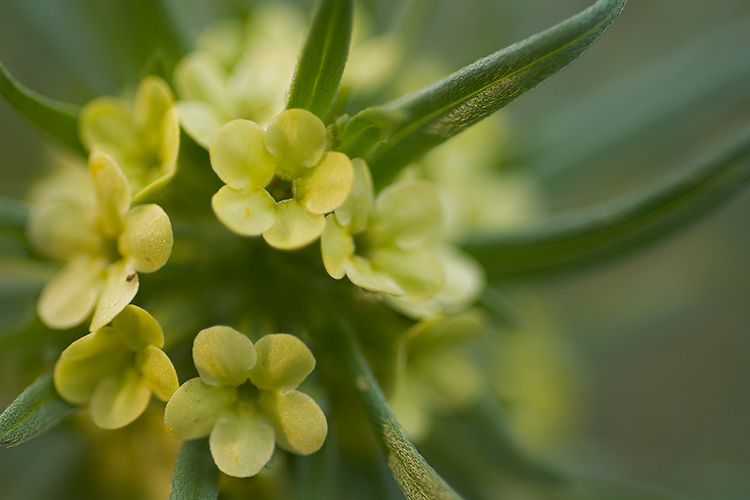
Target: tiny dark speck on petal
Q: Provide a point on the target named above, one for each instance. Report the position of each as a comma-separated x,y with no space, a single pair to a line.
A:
130,277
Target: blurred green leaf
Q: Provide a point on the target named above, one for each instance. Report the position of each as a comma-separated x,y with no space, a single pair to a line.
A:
412,125
413,474
163,26
54,117
587,236
323,58
195,476
34,411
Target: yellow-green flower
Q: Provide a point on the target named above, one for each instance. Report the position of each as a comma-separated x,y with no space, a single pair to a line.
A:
142,137
436,375
105,247
381,245
243,418
280,182
116,369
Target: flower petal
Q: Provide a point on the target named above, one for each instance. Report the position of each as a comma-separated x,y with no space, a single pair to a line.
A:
118,290
147,239
248,212
283,362
151,177
200,120
239,157
158,372
193,409
62,230
138,328
106,125
337,247
417,272
200,77
296,138
299,424
325,186
112,193
86,361
70,295
406,213
223,356
358,205
360,272
119,399
153,99
294,226
241,443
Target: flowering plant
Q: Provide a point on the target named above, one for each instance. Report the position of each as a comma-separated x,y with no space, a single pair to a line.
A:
341,265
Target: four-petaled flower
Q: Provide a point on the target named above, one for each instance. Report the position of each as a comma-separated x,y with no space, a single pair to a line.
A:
143,138
244,418
281,182
116,369
380,245
105,247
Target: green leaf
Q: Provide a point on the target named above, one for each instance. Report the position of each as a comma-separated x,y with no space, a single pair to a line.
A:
54,117
195,475
321,63
413,474
34,411
419,121
591,235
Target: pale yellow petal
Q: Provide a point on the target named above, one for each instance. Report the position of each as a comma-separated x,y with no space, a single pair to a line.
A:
200,77
248,212
106,125
464,277
361,273
296,137
358,205
299,424
283,362
118,290
158,372
201,121
294,226
417,272
62,230
337,247
223,356
167,149
70,295
407,213
138,328
153,99
193,409
325,186
119,399
147,239
112,193
241,443
239,157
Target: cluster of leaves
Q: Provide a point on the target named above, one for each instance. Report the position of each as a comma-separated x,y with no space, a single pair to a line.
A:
341,326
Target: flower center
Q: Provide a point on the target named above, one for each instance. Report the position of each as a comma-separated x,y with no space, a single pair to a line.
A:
280,189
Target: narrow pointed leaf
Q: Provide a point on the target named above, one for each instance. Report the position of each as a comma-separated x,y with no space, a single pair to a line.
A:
54,117
195,476
416,478
573,240
321,63
412,125
34,411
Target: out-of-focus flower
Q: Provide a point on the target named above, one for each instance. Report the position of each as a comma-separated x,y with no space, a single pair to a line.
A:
243,418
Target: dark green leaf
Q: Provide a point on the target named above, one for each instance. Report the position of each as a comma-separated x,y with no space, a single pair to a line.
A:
54,117
413,474
34,411
419,121
195,475
321,63
572,240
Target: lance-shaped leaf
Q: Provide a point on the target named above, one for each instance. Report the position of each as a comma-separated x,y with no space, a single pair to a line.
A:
321,63
54,117
195,476
34,411
412,125
572,240
415,477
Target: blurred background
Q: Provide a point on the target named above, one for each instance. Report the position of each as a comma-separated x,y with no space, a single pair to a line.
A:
661,339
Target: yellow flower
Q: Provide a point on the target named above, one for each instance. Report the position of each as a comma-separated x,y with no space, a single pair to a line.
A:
105,247
116,369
